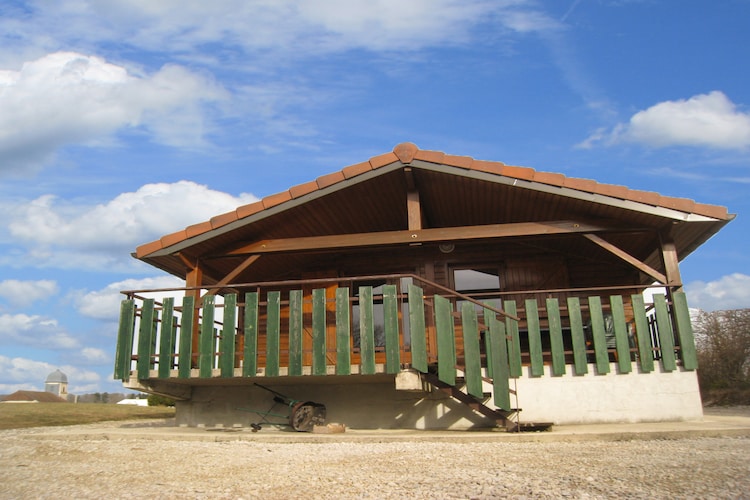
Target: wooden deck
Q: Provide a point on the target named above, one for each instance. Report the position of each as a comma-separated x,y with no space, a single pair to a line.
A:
319,332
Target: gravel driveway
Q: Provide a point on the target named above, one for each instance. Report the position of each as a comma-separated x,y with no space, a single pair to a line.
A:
38,464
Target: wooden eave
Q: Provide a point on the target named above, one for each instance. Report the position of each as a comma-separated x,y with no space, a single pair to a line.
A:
453,192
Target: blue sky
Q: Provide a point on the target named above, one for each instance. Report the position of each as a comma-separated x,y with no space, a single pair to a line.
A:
123,120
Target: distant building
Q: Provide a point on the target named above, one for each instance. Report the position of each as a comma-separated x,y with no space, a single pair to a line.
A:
33,397
134,402
57,384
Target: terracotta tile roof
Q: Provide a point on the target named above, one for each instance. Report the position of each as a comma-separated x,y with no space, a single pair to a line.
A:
408,152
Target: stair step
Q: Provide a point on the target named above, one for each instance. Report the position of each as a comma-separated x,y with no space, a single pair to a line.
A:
501,417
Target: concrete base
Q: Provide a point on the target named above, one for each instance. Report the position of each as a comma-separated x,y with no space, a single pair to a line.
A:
404,401
609,398
364,405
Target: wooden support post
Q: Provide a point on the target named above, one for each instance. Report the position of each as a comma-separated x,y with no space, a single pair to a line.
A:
671,263
194,277
674,286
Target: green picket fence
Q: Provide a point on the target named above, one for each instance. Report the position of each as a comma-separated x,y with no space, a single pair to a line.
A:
259,334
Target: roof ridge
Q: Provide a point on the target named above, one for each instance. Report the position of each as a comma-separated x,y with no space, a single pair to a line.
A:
406,153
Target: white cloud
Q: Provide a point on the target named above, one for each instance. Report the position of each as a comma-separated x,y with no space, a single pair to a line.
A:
289,26
23,374
81,381
23,293
56,233
26,374
396,25
705,120
94,356
70,98
35,331
105,303
728,292
530,21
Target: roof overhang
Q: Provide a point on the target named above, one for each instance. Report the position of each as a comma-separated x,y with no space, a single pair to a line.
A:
687,223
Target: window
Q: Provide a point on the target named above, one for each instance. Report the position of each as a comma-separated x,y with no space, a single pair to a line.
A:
476,280
481,283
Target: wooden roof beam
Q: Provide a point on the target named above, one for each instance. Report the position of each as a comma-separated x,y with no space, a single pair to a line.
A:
232,275
410,237
413,203
191,264
641,266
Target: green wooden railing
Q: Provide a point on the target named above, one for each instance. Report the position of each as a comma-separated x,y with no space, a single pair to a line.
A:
271,334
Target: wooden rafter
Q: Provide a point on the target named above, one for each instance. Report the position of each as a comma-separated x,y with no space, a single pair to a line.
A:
409,237
627,258
232,275
189,263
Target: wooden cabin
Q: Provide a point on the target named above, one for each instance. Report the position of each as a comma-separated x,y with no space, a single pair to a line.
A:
424,290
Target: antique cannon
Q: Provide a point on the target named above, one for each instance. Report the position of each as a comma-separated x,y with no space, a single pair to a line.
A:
302,416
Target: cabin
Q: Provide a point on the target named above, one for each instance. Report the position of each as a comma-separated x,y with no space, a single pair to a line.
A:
423,290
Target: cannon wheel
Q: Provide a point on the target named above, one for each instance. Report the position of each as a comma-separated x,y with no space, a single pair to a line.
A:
305,415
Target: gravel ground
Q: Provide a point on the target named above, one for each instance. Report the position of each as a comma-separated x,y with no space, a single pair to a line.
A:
37,464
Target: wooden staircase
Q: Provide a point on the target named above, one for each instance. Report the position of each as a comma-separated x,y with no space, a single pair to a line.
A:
502,418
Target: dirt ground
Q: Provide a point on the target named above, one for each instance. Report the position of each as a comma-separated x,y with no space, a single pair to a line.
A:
108,460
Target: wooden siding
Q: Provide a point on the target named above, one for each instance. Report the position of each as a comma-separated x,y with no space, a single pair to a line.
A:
255,338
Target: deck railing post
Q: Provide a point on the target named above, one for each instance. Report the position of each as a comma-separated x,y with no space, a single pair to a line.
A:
125,334
446,340
319,327
417,329
207,335
250,331
227,341
166,340
343,332
366,331
684,329
145,339
390,316
666,333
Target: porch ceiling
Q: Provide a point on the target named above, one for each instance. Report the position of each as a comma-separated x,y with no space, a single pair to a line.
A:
453,192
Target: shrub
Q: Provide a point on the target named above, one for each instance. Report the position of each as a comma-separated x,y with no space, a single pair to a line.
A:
157,400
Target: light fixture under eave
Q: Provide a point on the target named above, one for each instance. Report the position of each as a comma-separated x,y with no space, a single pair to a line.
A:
447,247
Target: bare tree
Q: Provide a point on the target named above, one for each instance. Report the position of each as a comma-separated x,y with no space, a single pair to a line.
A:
723,342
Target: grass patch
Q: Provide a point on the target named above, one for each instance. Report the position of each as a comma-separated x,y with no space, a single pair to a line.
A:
25,415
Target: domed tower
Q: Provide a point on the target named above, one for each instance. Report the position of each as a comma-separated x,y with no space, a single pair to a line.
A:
57,384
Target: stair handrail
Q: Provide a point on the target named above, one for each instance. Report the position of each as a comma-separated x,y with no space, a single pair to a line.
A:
268,284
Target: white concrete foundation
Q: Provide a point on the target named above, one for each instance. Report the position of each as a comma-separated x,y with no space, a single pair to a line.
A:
373,402
612,397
